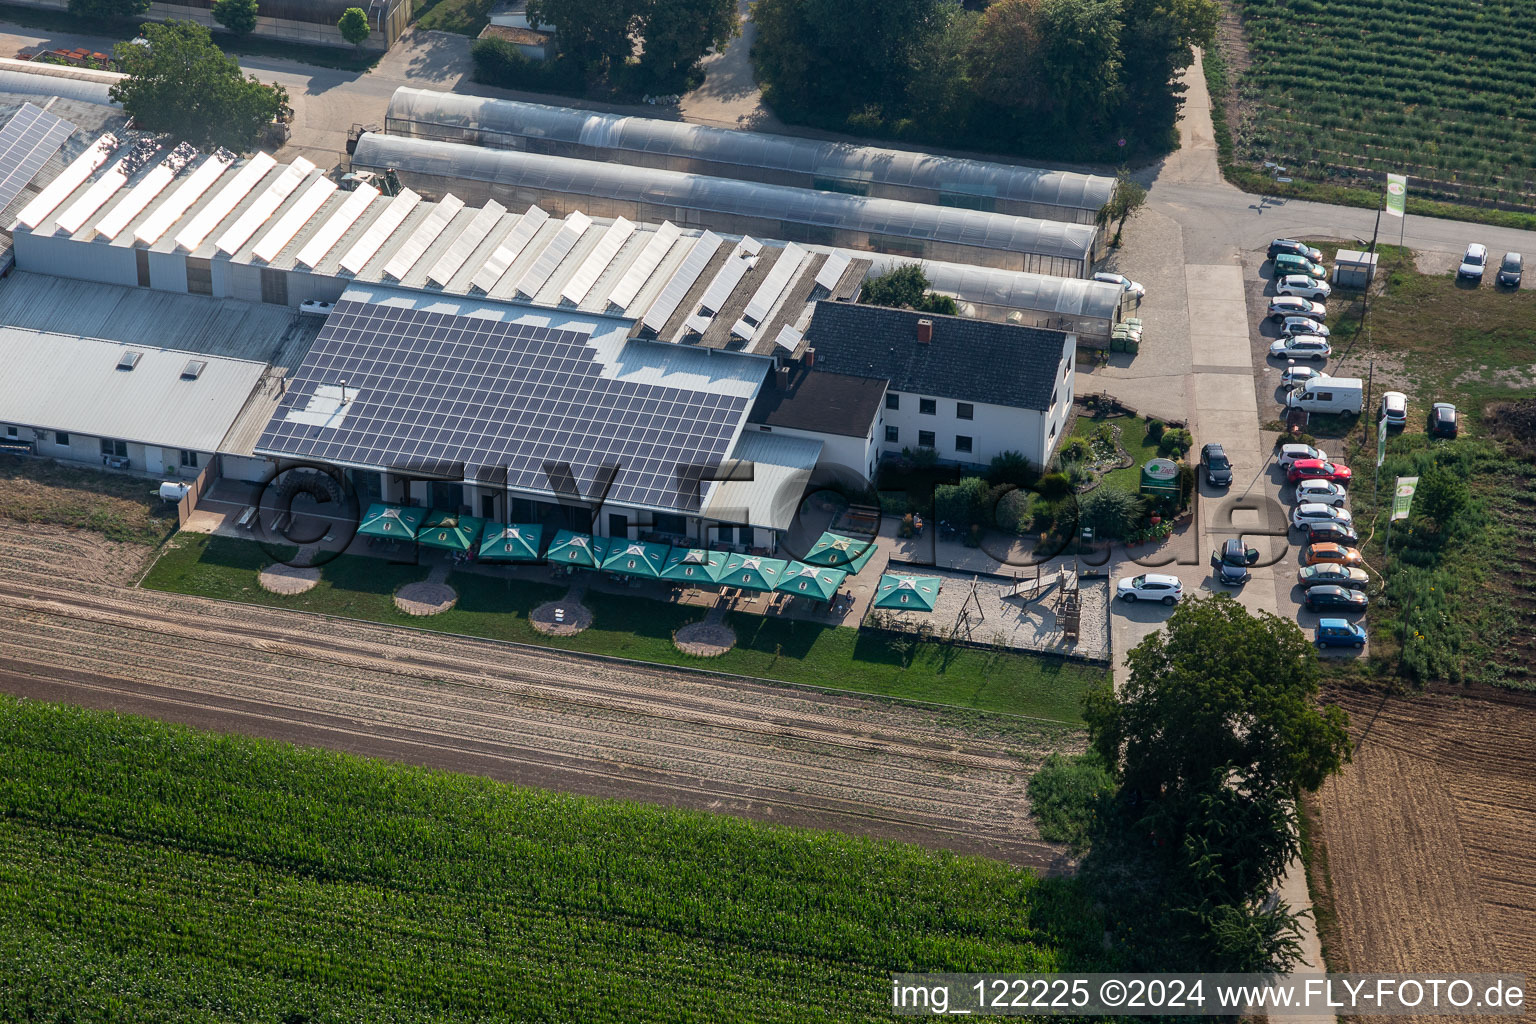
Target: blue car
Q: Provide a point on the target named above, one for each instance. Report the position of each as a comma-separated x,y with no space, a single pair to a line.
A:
1339,633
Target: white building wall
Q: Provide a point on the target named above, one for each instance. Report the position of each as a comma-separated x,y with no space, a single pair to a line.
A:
847,456
167,271
58,256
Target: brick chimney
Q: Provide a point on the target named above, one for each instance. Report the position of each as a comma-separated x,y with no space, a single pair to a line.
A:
783,378
925,330
810,358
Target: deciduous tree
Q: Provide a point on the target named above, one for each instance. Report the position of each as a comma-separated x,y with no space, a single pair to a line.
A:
596,33
108,8
184,86
239,16
354,26
679,33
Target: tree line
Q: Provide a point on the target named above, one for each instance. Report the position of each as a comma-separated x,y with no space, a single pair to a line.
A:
1070,79
639,46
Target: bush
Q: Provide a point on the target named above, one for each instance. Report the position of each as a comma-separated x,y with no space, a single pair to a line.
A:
1155,430
1054,486
1110,513
963,504
1011,467
1065,797
921,458
1175,442
500,63
1075,449
354,26
1015,512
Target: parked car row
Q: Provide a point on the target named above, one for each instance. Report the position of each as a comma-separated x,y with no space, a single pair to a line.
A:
1331,573
1474,263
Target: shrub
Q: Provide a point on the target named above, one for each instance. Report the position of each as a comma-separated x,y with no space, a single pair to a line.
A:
500,63
1011,467
1054,486
921,458
963,504
238,16
1015,512
1175,442
1065,797
1110,512
1155,430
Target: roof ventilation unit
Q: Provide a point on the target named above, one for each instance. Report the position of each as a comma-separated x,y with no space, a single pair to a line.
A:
129,359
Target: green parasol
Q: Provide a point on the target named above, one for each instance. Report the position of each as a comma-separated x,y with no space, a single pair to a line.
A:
516,542
450,531
907,593
814,581
838,552
579,549
752,572
694,565
397,522
636,558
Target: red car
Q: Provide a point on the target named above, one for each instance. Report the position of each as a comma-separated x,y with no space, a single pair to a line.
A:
1318,469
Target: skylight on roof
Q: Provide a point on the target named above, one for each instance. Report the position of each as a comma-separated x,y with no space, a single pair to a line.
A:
193,369
129,359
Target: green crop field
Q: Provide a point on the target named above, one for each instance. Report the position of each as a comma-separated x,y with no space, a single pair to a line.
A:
153,873
1345,90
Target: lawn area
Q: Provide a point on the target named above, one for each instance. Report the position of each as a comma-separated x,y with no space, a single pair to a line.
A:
151,872
1343,91
634,627
466,17
1133,438
119,507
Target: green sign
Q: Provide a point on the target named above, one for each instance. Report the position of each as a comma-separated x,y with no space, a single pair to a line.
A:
1397,194
1402,500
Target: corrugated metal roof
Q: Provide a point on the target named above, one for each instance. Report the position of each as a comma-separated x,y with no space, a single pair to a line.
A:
781,468
725,196
753,152
24,78
1011,289
70,383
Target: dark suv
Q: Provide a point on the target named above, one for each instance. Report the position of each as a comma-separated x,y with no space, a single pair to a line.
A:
1294,248
1232,561
1510,270
1218,468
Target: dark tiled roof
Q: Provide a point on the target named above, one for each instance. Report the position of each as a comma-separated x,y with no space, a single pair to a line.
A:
968,360
827,403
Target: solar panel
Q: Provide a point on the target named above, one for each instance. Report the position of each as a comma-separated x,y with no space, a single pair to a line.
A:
510,249
223,204
597,260
676,289
644,266
292,222
379,231
336,225
831,271
774,285
71,178
468,241
742,259
106,186
145,192
265,206
789,338
27,142
554,253
436,391
180,201
422,238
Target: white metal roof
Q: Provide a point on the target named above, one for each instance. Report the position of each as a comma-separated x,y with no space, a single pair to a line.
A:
781,470
70,383
224,202
510,249
336,225
726,196
71,178
597,260
475,232
266,204
554,253
146,191
378,232
414,111
188,192
412,249
676,289
644,266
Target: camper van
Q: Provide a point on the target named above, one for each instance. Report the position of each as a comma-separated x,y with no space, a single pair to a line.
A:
1329,394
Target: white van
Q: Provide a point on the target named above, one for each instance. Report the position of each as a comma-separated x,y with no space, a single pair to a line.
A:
1329,394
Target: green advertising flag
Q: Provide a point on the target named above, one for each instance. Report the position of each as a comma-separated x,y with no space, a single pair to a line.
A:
1402,501
1397,194
1381,441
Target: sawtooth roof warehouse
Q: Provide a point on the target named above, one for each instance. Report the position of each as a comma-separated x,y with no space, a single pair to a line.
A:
499,360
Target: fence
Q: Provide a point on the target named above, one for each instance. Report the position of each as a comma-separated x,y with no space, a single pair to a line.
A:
200,484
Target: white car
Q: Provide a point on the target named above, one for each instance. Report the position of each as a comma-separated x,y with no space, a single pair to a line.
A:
1304,286
1304,325
1321,492
1394,409
1282,306
1301,346
1154,586
1473,263
1289,453
1296,376
1131,288
1317,512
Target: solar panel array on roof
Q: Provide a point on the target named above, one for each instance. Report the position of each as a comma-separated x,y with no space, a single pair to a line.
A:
71,178
676,289
774,285
336,225
179,202
597,260
422,238
469,240
379,231
265,206
743,258
434,393
831,271
27,142
554,253
510,249
644,265
290,223
224,203
106,186
148,188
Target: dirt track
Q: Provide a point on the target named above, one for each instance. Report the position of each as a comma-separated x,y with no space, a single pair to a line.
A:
78,634
1431,835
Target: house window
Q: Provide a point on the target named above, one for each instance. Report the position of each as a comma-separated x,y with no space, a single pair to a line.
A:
892,400
725,533
962,443
199,276
117,448
965,411
189,459
925,439
676,526
61,438
10,431
928,406
892,435
618,525
1055,395
141,263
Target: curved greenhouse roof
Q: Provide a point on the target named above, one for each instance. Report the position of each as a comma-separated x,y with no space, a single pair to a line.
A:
840,160
85,87
728,197
1012,289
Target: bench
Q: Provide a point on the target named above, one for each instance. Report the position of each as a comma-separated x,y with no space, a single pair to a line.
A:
247,518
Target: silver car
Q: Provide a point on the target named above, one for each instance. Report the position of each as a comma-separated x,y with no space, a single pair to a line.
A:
1282,306
1301,346
1315,512
1304,286
1304,325
1321,492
